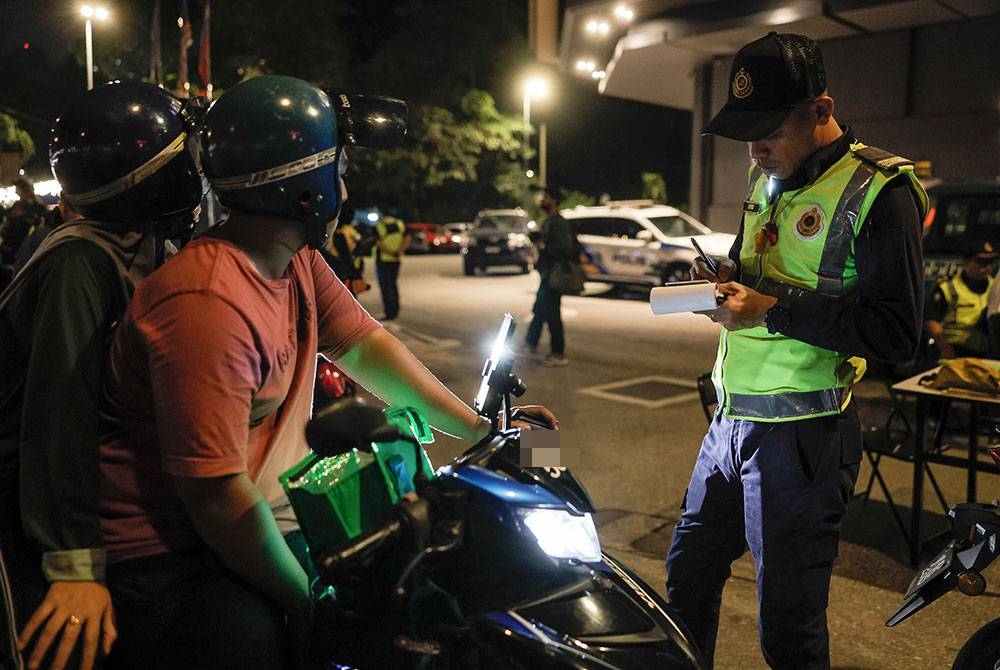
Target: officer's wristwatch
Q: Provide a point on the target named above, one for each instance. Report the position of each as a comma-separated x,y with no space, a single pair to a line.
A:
777,318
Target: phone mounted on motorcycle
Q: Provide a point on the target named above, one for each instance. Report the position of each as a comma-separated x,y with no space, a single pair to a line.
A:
499,382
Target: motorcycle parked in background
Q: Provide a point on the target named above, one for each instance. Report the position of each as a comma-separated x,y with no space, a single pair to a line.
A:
482,564
975,530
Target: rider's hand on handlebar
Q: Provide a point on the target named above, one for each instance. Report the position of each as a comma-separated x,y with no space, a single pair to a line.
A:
727,270
528,417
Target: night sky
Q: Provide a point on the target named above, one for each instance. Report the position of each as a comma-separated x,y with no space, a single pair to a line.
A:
596,144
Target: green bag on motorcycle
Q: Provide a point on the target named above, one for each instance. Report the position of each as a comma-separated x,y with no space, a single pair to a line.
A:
338,498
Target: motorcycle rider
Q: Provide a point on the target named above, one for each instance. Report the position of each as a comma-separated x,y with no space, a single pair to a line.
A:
122,155
211,387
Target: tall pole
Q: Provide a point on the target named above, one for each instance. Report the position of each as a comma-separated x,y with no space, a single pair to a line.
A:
526,128
90,54
542,155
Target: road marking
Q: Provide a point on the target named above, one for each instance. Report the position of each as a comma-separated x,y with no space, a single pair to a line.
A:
606,391
405,333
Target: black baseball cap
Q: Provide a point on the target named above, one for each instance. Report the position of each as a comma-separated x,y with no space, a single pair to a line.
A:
770,77
979,249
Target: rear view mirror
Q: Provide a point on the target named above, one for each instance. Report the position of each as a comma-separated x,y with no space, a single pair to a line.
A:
644,235
348,424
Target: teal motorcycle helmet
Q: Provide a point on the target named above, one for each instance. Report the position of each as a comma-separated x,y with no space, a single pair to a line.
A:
274,145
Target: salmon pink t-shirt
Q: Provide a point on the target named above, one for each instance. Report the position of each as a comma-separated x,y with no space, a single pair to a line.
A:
211,374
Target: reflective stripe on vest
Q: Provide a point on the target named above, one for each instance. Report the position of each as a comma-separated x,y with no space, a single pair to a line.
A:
797,403
772,377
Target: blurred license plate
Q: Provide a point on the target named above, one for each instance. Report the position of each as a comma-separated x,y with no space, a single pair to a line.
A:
932,570
492,250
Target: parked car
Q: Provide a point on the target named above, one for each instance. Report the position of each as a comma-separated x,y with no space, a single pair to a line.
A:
961,213
499,237
641,243
420,235
450,238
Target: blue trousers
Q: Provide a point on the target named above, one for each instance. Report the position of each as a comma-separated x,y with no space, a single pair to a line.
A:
781,490
547,310
387,275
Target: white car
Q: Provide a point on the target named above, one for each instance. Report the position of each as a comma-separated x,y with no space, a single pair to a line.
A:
638,242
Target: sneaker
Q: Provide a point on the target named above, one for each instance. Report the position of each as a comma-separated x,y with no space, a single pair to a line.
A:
553,360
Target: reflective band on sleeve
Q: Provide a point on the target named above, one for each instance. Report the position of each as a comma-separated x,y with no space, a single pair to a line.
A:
132,178
787,405
278,173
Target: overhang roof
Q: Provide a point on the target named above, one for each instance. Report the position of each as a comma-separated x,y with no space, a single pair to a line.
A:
654,59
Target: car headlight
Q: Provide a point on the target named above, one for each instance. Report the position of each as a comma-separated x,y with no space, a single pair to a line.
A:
563,535
517,240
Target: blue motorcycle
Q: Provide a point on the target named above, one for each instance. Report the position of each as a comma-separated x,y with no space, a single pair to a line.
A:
485,563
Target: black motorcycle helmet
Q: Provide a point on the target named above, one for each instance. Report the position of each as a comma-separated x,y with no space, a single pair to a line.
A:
124,152
274,145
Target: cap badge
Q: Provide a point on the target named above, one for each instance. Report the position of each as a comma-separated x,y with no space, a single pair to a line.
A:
810,224
742,84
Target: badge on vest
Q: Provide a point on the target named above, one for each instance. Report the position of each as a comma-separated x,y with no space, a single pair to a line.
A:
810,224
752,207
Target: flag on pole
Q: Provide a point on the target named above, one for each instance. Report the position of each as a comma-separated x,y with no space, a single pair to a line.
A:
205,52
184,23
155,59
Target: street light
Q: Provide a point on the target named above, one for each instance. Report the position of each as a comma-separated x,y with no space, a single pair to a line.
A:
534,87
101,14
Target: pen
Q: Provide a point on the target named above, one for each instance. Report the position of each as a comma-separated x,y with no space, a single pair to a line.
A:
708,261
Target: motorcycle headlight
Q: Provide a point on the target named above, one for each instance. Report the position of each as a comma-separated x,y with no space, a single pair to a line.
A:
563,535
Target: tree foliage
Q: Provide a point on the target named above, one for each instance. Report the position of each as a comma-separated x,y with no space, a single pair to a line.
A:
14,138
451,164
654,187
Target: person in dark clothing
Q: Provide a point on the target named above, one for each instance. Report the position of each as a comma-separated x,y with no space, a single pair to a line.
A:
955,314
826,269
557,243
25,216
56,320
63,213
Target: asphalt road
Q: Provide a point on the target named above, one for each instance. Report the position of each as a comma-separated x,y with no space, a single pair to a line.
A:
627,400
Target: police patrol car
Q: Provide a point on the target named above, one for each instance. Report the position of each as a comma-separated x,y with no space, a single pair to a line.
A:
639,242
962,215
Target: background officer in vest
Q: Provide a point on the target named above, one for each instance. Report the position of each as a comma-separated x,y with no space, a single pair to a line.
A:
392,242
340,252
826,268
955,315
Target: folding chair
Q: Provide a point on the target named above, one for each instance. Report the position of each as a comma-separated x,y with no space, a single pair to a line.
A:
707,395
894,439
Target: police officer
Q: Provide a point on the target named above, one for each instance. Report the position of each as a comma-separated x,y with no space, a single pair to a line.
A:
392,242
340,252
955,315
826,268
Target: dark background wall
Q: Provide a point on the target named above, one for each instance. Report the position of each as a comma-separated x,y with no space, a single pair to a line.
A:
930,93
